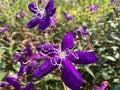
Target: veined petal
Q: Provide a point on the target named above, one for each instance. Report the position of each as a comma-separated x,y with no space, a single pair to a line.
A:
32,7
43,69
82,57
32,23
44,23
13,81
70,75
47,49
29,86
67,42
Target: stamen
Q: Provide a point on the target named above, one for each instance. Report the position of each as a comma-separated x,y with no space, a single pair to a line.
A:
75,55
27,62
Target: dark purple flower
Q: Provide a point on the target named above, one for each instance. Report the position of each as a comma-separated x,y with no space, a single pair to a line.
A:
15,83
63,58
82,31
42,16
27,60
5,28
22,13
67,16
104,85
93,8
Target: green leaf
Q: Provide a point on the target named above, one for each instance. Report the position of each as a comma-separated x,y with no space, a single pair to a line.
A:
110,58
117,87
2,74
89,71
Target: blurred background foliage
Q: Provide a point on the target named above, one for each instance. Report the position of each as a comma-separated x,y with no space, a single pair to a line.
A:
103,23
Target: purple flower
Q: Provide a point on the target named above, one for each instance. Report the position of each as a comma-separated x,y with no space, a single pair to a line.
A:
63,58
5,28
113,1
15,83
104,84
22,13
82,31
27,60
93,8
67,16
42,16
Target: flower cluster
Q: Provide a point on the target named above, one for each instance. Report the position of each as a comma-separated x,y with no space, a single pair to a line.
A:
60,56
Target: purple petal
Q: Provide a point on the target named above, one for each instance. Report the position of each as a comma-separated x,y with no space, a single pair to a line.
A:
32,7
71,76
13,81
32,23
22,13
4,84
29,86
5,28
50,6
82,57
83,31
30,67
96,88
36,56
44,23
21,71
28,50
50,13
18,57
93,8
104,85
67,16
47,49
67,42
53,21
43,69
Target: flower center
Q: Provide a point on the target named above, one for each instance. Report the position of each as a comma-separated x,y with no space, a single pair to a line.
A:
40,13
62,55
